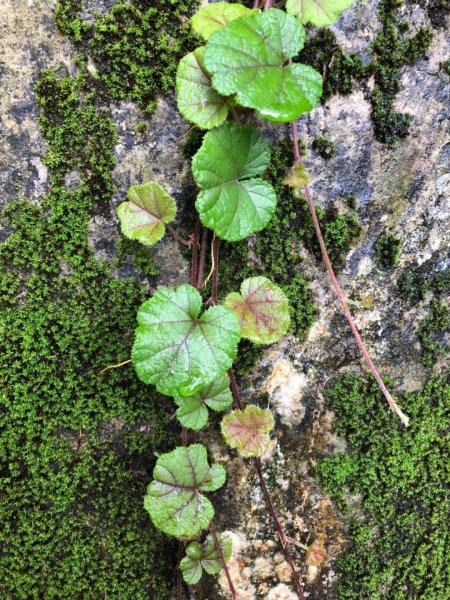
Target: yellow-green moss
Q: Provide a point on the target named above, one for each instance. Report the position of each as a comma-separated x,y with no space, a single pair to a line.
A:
387,250
400,547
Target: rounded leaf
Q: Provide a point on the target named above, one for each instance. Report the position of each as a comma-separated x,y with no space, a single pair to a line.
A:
206,558
215,16
178,349
247,430
233,201
174,498
262,309
242,62
197,101
318,12
142,218
192,412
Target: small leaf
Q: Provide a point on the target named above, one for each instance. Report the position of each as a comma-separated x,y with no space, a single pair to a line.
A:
234,202
179,350
247,430
197,101
192,412
297,176
262,309
174,498
242,61
204,556
143,217
215,16
318,12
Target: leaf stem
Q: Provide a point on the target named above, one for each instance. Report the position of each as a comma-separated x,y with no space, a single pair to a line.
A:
326,259
177,236
212,529
267,497
125,362
195,253
201,265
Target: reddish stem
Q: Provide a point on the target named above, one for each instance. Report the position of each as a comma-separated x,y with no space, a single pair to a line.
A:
215,275
287,553
201,266
177,236
393,405
195,253
179,580
212,529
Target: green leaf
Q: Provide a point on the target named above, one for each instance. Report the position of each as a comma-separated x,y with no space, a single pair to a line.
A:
143,217
193,413
262,308
249,58
174,498
247,430
204,556
318,12
197,101
215,16
297,176
234,202
179,350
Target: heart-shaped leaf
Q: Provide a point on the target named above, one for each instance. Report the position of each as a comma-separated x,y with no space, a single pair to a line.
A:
318,12
143,216
215,16
193,412
247,430
197,101
179,350
262,309
174,498
204,556
249,58
234,202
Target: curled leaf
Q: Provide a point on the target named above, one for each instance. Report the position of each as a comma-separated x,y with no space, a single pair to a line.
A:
318,12
247,430
297,176
211,17
193,412
175,498
204,556
197,101
143,216
178,349
243,62
262,309
233,201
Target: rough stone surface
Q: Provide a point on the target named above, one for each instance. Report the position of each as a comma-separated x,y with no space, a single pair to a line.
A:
406,188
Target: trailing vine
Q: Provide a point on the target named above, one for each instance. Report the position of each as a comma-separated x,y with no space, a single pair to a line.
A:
184,347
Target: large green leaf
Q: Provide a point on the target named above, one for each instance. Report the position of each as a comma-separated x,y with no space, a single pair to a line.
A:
249,58
143,216
211,17
193,412
179,350
204,556
174,498
197,101
247,430
234,202
262,308
318,12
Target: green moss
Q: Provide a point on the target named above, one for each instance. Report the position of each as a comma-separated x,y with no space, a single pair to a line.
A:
324,147
431,333
387,250
391,51
412,285
135,47
399,548
445,66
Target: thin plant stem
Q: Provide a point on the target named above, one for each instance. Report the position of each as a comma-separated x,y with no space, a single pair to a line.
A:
201,265
177,236
326,259
178,574
125,362
267,497
215,276
212,529
195,253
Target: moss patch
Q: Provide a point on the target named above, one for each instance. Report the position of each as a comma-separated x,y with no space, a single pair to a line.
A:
432,332
399,549
387,251
135,47
324,147
77,448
